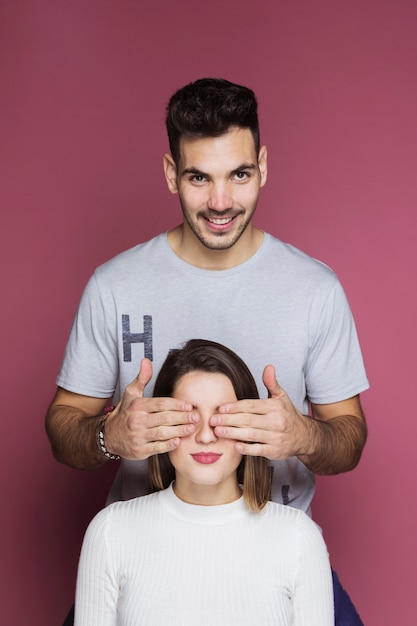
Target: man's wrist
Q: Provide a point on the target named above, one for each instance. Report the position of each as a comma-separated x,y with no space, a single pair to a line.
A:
100,434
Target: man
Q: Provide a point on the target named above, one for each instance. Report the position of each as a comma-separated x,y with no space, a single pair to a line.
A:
215,276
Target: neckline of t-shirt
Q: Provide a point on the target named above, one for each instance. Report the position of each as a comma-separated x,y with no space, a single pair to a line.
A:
236,269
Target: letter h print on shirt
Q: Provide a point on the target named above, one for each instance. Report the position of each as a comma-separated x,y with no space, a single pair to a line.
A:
144,337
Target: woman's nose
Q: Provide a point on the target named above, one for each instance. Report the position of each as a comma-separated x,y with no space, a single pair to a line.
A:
205,433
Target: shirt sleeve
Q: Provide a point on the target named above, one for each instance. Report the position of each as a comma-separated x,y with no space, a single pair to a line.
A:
335,369
97,589
90,365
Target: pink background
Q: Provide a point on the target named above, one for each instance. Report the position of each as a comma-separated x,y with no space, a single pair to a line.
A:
83,89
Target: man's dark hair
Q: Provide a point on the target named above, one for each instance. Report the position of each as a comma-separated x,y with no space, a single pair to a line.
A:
209,107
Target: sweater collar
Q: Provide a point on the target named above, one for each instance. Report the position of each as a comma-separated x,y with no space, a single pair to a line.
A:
197,514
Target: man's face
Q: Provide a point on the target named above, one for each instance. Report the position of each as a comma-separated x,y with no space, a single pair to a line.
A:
218,181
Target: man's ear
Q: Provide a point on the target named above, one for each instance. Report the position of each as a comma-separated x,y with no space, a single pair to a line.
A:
263,165
170,170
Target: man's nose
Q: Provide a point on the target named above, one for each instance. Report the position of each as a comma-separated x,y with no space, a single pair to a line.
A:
220,198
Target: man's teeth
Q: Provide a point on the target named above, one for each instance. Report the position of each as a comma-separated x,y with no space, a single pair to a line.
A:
220,221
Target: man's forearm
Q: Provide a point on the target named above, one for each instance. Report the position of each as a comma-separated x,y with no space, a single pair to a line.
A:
337,444
72,434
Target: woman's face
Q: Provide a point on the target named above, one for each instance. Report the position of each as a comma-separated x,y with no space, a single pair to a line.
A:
205,465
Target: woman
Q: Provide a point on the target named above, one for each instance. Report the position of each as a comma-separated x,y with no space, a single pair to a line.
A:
207,547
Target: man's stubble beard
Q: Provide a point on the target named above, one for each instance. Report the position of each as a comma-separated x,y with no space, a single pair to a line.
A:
218,243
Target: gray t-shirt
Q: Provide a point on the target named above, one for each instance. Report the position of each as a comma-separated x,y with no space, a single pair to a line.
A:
280,307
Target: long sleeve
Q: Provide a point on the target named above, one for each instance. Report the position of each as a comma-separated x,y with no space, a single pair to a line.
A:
313,601
97,586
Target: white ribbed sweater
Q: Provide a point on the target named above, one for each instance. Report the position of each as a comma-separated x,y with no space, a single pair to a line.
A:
156,561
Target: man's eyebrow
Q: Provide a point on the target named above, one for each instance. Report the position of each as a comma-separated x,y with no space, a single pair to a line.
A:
244,166
194,171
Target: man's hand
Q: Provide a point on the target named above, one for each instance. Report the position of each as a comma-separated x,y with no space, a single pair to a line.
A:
329,442
137,428
272,428
140,427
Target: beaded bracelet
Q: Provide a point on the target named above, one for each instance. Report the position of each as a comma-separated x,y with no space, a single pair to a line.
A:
100,435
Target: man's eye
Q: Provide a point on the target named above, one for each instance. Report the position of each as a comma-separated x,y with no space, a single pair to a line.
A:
241,175
197,178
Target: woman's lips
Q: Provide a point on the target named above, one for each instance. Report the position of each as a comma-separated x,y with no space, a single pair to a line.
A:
206,458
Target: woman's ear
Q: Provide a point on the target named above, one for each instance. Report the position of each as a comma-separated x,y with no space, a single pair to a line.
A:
170,170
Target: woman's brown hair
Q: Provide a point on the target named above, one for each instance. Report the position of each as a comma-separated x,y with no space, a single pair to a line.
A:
254,473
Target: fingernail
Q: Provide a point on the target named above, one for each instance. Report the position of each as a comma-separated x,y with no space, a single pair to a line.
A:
189,429
215,421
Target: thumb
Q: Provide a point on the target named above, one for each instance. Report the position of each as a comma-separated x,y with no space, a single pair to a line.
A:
270,381
145,374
